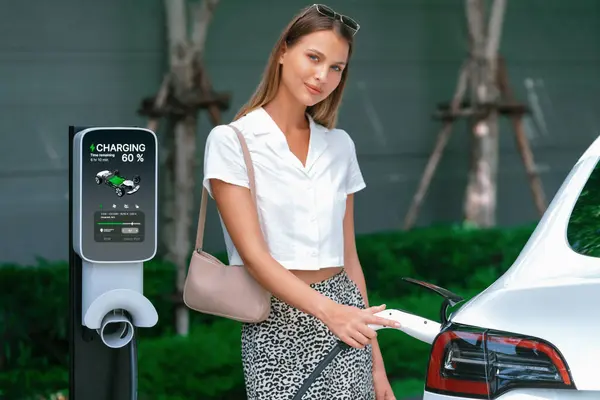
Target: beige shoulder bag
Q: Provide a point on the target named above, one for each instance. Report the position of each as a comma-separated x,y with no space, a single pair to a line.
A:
229,291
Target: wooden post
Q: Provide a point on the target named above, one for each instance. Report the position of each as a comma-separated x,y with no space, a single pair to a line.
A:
187,77
481,192
523,146
490,96
438,150
159,102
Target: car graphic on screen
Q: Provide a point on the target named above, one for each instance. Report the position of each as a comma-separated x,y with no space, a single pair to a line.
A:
121,184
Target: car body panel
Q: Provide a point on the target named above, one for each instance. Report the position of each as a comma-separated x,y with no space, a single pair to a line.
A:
551,293
528,394
132,187
560,314
104,173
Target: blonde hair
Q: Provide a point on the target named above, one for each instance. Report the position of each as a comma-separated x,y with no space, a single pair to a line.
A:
309,20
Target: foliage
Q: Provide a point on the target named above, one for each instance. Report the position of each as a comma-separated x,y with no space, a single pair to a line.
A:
404,388
582,232
27,382
207,364
445,256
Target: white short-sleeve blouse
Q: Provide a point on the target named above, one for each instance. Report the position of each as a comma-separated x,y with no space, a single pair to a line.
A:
301,208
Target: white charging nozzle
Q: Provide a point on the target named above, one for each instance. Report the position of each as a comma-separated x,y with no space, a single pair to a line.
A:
418,327
116,329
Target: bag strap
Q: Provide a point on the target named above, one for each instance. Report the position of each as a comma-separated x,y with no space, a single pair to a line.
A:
204,199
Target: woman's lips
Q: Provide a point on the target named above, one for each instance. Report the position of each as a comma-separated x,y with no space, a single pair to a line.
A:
312,89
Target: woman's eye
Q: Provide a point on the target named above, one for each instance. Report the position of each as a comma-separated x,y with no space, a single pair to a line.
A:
313,57
336,68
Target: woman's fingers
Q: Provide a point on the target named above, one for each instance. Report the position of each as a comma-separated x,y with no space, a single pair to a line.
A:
360,337
352,343
367,332
376,320
376,309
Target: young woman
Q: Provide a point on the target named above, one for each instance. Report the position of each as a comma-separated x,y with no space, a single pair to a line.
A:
306,173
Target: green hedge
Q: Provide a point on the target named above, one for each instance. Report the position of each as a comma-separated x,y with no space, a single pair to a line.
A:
34,319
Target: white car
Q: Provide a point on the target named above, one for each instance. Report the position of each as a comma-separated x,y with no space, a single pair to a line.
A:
535,333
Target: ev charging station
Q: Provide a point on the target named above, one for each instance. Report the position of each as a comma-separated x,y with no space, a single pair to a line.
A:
113,187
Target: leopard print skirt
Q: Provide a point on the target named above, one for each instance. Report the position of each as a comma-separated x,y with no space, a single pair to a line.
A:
279,353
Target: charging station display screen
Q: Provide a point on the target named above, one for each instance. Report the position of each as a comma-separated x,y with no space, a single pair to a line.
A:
118,194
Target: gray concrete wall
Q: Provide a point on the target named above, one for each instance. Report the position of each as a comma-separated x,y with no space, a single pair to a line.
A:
89,63
61,63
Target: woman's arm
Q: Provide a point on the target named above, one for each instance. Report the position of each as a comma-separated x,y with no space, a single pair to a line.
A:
237,208
354,269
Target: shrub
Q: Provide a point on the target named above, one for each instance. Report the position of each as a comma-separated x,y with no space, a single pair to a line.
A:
34,318
206,364
25,382
445,256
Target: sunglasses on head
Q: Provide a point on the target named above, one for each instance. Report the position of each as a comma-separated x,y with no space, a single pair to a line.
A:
329,12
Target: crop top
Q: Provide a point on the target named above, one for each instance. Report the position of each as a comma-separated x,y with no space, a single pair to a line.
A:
301,208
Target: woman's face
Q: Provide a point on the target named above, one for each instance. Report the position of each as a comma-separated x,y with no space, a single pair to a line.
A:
312,67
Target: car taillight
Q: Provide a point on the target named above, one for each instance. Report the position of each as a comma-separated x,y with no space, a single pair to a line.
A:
483,364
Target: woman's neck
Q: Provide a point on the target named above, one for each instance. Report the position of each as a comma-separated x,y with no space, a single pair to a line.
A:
287,112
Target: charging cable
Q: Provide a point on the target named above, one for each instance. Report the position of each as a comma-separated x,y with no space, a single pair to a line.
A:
320,367
133,366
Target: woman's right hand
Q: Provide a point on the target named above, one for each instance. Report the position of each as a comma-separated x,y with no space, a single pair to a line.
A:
350,324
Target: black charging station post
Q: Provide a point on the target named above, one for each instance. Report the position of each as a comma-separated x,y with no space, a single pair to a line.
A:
96,371
113,191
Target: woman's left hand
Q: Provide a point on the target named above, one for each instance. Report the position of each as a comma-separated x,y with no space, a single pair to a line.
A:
383,389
